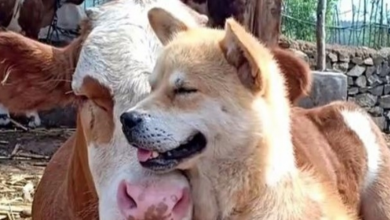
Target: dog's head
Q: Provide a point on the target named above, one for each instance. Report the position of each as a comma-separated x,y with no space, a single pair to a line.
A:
212,91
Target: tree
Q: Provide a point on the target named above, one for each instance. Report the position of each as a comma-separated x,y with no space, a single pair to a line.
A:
320,35
263,19
300,18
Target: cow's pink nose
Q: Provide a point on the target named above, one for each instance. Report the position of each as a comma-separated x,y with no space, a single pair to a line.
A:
153,202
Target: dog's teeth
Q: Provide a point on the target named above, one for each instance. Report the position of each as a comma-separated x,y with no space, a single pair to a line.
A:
155,154
169,154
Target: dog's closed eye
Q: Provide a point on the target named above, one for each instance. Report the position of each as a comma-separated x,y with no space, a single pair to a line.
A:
182,90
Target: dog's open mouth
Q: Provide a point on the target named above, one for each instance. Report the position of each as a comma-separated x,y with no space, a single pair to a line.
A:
164,161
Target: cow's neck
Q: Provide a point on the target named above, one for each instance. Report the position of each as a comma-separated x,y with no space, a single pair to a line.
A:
81,190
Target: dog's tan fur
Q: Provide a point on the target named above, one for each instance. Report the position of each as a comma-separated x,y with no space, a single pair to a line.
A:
269,160
256,178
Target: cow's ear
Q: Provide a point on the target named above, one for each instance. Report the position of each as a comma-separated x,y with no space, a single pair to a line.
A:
296,72
35,76
164,24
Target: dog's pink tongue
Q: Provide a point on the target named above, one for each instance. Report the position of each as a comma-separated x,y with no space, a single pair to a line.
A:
144,155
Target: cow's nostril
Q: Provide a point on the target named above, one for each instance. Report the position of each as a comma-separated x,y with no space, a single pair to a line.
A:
125,201
135,201
130,119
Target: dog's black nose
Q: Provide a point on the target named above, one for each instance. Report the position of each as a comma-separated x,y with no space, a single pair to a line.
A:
130,119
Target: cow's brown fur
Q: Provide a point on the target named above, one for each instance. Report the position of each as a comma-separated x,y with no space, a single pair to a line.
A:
346,159
331,158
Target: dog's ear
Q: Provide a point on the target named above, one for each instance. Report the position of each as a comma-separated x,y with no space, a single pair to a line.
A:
200,19
164,24
244,51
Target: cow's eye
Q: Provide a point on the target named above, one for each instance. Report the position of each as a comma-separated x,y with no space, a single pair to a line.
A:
182,91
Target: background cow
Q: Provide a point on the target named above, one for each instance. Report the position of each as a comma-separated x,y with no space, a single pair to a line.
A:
28,17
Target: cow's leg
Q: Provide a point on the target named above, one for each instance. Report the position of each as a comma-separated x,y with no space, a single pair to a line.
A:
4,115
33,119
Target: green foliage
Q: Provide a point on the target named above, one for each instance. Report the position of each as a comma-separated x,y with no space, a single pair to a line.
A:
301,17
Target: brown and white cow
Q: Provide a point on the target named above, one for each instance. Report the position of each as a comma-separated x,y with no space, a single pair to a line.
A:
219,111
96,173
28,17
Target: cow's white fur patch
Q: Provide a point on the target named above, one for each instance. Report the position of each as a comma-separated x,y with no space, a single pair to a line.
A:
358,122
120,53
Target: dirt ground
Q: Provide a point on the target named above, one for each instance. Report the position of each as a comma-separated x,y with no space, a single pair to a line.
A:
23,156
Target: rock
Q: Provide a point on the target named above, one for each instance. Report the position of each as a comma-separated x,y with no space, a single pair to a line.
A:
378,60
370,70
384,51
384,79
327,87
343,58
342,67
356,71
380,121
332,57
386,89
357,60
351,99
367,108
361,81
312,63
363,90
384,101
384,70
310,53
376,111
377,90
329,65
366,100
299,54
353,90
373,79
350,81
369,61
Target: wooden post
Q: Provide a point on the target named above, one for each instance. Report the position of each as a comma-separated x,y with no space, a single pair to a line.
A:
320,32
263,19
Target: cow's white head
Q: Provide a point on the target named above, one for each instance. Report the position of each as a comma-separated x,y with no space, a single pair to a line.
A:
115,62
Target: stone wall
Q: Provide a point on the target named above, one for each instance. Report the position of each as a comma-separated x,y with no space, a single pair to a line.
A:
367,71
